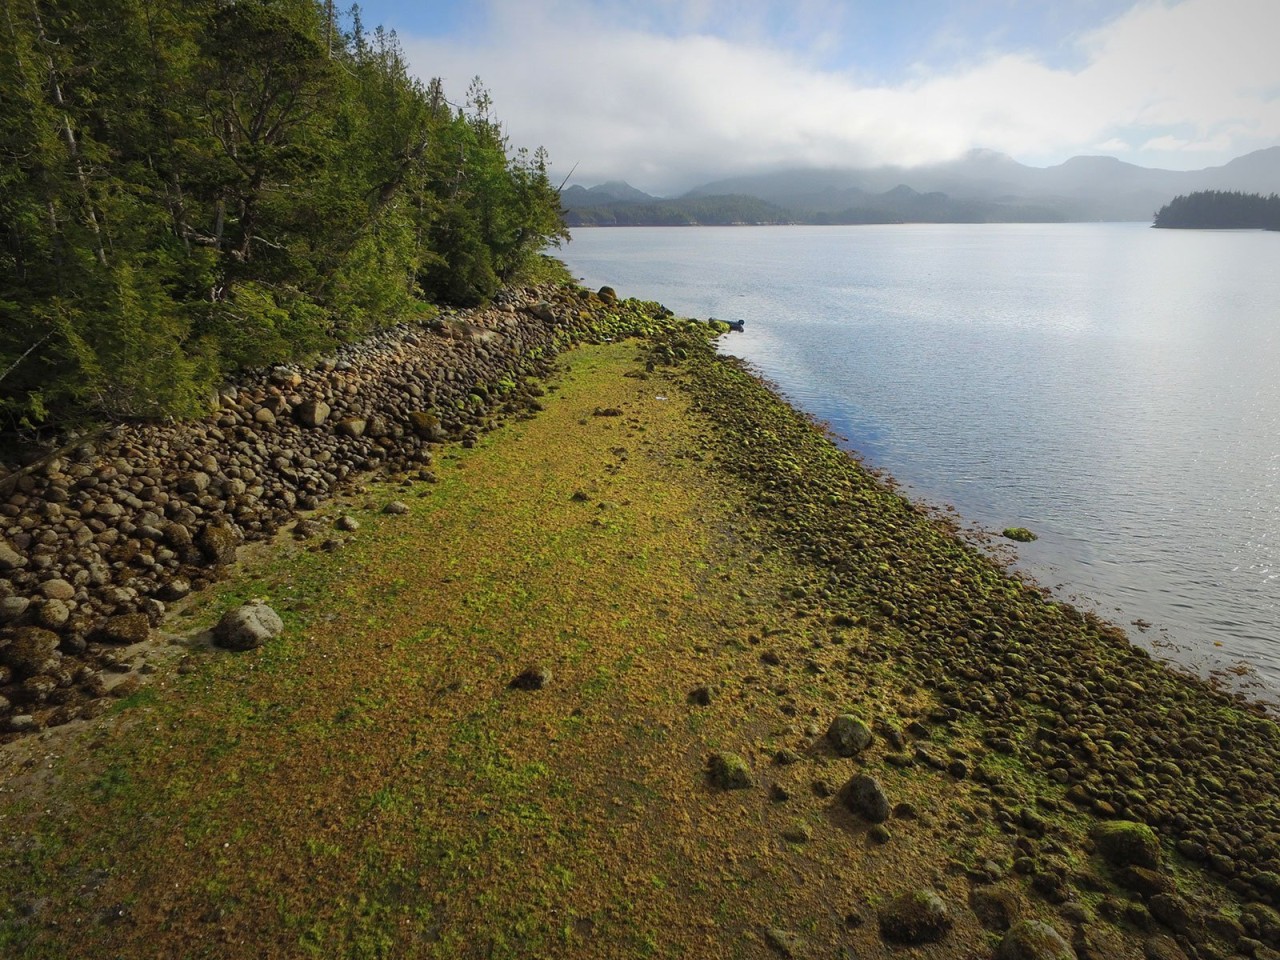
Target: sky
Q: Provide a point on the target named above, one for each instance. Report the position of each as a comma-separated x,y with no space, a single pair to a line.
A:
668,94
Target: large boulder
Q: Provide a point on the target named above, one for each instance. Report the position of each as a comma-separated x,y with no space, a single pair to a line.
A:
247,627
218,543
1123,843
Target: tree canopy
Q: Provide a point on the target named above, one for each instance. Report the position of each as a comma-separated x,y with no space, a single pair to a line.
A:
192,186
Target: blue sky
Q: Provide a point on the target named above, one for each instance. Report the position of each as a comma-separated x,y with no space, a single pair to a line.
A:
667,93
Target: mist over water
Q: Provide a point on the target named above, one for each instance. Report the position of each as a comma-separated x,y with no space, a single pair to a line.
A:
1114,388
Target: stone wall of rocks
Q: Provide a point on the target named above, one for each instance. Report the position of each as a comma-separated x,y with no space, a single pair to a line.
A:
95,543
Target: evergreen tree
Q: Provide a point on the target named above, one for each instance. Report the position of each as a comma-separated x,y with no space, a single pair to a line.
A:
189,187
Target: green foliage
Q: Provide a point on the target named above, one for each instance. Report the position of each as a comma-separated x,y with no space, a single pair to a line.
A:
186,189
1221,209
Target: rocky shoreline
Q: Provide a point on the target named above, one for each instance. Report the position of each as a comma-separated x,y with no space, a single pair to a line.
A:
95,543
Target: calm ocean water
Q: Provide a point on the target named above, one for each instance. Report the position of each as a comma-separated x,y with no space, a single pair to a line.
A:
1112,387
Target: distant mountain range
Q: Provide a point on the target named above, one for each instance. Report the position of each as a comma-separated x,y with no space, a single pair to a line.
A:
982,186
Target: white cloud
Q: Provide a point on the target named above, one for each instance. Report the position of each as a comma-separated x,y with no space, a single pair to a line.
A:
1192,82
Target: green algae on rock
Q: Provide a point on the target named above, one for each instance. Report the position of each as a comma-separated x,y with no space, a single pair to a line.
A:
1020,534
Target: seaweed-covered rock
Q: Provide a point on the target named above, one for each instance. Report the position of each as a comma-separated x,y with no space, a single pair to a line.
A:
125,629
919,916
30,651
218,543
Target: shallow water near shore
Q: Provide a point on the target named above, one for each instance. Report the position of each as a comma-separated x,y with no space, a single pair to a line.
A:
1114,388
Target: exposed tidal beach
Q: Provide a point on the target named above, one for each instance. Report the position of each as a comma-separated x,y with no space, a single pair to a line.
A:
608,651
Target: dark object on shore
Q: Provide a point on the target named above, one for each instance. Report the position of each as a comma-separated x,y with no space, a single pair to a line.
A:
533,678
1021,534
738,325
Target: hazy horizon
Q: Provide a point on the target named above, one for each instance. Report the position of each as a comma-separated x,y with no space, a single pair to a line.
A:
671,94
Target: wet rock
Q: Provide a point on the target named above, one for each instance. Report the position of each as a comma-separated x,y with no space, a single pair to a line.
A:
531,678
728,771
920,916
1020,534
864,796
1033,940
848,735
1123,843
247,627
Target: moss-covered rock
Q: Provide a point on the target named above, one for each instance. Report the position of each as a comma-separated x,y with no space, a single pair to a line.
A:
1123,843
1021,534
848,735
728,771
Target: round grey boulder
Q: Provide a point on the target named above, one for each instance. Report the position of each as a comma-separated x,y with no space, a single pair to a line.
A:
248,627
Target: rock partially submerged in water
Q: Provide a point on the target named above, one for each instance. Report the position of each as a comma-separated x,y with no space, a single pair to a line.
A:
1020,534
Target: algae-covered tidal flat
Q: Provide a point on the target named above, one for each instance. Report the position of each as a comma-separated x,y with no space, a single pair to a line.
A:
703,583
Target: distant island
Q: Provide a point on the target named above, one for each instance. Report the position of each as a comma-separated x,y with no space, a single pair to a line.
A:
982,186
1221,210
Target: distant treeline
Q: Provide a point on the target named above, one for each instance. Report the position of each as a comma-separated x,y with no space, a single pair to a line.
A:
1221,210
897,206
682,212
186,188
